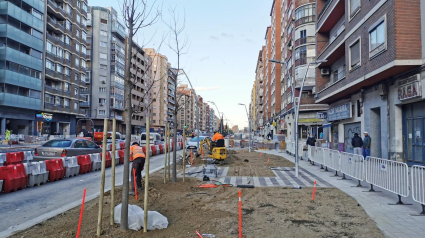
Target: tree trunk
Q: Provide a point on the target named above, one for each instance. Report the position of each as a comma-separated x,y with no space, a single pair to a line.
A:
129,113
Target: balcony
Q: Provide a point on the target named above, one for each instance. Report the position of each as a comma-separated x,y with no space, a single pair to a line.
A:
171,107
305,60
308,83
260,109
302,2
305,20
84,104
329,15
261,92
305,40
117,28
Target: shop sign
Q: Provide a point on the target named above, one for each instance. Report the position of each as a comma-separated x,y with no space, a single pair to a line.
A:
339,112
44,116
321,115
410,90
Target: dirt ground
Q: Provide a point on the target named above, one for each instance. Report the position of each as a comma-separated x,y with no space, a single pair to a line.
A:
243,163
267,212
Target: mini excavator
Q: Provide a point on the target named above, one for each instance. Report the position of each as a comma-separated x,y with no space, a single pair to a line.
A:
216,150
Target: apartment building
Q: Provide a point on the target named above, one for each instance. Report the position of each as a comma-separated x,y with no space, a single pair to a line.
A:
211,120
259,93
139,66
207,117
159,89
267,73
172,87
21,68
373,76
65,66
201,113
104,92
185,114
275,48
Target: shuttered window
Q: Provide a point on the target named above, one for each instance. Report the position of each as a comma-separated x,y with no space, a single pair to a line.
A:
355,54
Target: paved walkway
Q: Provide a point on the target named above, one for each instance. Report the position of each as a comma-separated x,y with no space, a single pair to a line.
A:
394,221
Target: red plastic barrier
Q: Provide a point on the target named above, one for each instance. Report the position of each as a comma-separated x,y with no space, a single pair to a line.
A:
121,155
172,147
122,145
153,148
56,169
161,148
85,163
14,177
108,159
14,158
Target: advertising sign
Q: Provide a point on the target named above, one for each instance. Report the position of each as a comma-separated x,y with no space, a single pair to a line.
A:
340,112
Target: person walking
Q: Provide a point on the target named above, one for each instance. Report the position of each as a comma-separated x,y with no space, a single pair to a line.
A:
138,158
366,144
357,143
311,141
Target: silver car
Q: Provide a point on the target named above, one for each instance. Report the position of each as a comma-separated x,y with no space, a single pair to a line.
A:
58,148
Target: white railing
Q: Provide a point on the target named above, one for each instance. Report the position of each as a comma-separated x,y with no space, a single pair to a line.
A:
290,147
352,165
331,159
418,183
318,155
390,175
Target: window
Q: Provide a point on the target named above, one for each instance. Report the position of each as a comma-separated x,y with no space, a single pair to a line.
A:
60,52
37,34
78,18
77,61
354,7
355,55
66,87
36,54
103,33
102,112
103,21
83,78
83,63
49,98
50,65
66,102
84,49
77,47
377,38
50,48
103,67
76,91
83,21
75,106
102,90
67,55
67,40
102,101
35,94
77,32
57,100
84,7
68,25
59,68
37,14
83,35
303,33
78,4
67,71
103,44
305,11
103,56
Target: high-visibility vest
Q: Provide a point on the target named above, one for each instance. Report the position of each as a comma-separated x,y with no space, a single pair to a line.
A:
136,152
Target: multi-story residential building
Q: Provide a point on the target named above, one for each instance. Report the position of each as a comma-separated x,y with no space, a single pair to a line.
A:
259,93
275,48
159,89
207,117
21,68
65,65
172,87
211,120
184,95
104,92
373,76
201,113
139,66
216,122
267,73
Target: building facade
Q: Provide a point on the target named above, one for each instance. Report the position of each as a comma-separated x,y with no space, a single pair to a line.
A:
373,76
21,68
172,87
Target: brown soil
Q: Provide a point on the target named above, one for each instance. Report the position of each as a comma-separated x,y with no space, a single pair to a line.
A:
256,165
267,212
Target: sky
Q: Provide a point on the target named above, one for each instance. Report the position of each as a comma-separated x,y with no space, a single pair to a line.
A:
224,39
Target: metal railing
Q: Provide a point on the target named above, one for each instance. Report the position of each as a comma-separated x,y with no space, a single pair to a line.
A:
418,184
304,60
305,20
352,165
390,175
323,9
305,40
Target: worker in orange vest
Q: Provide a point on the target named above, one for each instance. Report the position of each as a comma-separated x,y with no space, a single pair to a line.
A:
138,158
217,136
217,140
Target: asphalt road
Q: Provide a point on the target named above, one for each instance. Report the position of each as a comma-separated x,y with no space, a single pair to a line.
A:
24,208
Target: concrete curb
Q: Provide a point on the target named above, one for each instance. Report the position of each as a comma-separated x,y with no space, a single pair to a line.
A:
56,212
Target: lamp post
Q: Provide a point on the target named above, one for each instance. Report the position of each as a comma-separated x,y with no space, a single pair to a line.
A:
296,105
197,108
249,122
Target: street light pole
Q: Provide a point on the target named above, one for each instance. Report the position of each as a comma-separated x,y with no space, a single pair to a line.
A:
249,122
197,107
296,105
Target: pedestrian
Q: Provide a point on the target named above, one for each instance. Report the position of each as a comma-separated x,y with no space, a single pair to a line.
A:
138,158
357,143
311,141
321,135
269,136
366,144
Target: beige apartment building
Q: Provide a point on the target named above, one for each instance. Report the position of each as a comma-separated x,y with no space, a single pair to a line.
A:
159,89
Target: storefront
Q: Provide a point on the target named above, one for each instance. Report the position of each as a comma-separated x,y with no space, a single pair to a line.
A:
55,124
17,120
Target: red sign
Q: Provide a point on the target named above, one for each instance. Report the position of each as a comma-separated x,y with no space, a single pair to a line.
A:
408,91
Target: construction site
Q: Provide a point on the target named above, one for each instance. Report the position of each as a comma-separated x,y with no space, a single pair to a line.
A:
274,203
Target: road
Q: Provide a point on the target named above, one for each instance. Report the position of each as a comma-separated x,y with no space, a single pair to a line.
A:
30,206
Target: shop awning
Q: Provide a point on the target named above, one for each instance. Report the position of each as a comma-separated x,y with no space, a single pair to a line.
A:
327,125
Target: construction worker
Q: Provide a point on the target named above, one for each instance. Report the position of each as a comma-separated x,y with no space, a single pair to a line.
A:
217,140
138,158
217,136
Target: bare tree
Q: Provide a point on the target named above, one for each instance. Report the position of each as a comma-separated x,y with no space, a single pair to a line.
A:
179,44
134,19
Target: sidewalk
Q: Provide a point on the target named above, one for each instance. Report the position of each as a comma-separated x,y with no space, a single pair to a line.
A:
392,220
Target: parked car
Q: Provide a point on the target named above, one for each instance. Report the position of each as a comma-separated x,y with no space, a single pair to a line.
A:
192,144
57,148
155,139
118,137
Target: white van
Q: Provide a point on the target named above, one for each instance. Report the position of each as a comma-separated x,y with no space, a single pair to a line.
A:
155,139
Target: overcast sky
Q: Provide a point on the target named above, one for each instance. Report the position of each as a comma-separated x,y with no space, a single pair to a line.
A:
225,37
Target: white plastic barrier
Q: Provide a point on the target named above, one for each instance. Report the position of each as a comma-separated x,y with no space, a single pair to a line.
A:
310,152
71,166
158,151
28,156
352,165
117,158
331,159
95,161
2,158
37,173
318,155
418,183
290,147
390,175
